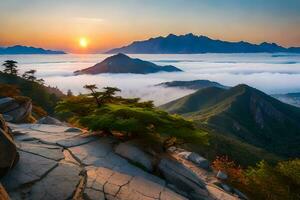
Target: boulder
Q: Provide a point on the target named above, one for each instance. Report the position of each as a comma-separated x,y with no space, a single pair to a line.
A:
239,193
49,120
8,150
222,175
16,111
73,129
198,160
135,155
182,177
195,158
172,149
8,118
226,187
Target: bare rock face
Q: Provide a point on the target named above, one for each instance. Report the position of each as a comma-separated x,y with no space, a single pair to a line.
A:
49,120
182,177
65,175
16,111
59,164
103,183
221,175
8,150
30,168
195,158
135,155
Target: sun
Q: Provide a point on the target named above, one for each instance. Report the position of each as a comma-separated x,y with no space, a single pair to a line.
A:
83,42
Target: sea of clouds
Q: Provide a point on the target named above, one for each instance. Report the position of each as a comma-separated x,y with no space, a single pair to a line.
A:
271,73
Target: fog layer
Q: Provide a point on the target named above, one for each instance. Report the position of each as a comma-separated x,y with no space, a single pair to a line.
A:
271,73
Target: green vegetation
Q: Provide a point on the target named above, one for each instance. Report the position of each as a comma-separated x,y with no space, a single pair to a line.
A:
242,153
264,181
244,115
29,75
11,84
102,110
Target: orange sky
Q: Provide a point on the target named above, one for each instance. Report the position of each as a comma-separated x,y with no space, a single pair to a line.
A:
108,24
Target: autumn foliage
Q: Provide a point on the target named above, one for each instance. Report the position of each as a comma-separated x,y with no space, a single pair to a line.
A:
263,181
234,171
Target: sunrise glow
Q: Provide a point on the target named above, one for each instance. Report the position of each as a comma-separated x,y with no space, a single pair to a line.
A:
83,42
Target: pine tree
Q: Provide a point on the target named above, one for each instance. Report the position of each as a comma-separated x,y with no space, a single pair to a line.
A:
29,75
69,93
10,67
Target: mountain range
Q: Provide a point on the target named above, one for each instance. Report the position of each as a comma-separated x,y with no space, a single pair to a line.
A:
121,63
18,49
245,114
192,44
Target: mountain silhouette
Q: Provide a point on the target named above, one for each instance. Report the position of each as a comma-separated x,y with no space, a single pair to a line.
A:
121,63
18,49
190,43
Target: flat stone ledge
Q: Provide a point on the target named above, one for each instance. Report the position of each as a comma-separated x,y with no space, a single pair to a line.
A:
29,169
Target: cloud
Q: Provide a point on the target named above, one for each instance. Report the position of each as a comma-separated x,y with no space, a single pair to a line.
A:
262,71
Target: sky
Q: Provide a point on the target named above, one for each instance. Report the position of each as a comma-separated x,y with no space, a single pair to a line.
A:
89,26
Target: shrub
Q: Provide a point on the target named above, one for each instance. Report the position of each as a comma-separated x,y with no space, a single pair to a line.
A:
264,181
128,116
234,171
7,90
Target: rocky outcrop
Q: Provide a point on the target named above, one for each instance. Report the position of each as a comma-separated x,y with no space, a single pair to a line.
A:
16,110
200,183
195,158
182,177
49,120
103,183
58,164
55,164
135,155
8,150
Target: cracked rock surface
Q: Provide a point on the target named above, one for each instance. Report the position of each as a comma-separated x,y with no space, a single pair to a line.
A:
57,163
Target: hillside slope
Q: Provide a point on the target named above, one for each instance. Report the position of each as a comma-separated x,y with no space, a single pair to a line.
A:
43,96
246,114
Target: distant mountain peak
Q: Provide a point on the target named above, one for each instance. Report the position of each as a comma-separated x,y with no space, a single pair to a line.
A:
194,84
119,55
20,49
190,43
245,113
121,63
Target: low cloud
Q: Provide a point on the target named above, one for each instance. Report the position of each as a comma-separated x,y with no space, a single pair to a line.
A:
262,71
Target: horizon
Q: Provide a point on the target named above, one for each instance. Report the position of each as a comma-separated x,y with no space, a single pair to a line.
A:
87,31
105,51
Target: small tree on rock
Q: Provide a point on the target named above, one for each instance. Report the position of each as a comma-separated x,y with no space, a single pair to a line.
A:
10,67
69,93
29,75
93,88
40,81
